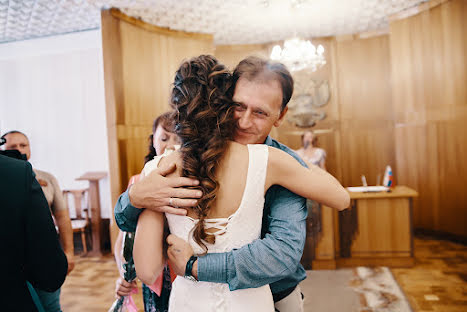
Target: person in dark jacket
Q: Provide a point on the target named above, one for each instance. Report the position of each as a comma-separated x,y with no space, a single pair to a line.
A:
30,249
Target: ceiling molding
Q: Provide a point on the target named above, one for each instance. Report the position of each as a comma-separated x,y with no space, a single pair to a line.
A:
153,28
416,10
228,22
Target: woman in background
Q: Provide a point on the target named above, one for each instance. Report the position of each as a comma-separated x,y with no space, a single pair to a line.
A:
310,153
161,139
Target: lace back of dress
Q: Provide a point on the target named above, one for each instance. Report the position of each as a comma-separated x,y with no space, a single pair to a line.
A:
244,225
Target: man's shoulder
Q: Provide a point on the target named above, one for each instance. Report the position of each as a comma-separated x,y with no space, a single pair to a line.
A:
44,175
16,175
273,143
8,164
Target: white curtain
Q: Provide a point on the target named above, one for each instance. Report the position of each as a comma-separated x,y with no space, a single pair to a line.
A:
52,89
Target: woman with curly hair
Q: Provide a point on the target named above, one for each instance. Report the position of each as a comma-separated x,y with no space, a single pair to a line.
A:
233,180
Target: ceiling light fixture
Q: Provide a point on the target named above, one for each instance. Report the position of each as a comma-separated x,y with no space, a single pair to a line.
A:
299,54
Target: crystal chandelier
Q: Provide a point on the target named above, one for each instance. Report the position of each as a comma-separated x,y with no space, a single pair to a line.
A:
299,54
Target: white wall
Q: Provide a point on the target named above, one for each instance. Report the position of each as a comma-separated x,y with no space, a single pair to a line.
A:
52,89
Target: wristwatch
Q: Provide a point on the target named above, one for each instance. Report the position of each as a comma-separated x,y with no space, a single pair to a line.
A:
189,268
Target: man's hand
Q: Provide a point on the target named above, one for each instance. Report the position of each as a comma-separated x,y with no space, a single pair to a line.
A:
71,261
179,253
123,288
162,194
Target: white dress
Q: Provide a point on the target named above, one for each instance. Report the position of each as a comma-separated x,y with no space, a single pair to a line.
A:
239,229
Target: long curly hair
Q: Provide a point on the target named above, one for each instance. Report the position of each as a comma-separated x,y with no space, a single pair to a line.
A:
203,114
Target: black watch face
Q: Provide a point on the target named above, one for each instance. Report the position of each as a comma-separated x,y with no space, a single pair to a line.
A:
191,278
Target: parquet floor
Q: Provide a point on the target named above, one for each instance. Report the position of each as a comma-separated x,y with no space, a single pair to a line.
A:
438,282
90,287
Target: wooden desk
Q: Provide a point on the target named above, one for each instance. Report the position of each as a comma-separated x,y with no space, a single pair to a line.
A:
381,233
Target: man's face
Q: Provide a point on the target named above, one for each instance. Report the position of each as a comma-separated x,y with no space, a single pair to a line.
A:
17,141
258,109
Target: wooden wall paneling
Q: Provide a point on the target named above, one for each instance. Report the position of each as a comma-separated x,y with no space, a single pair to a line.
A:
366,150
454,35
411,148
364,79
113,82
452,127
335,164
451,213
450,115
429,71
150,57
418,165
141,79
366,114
400,70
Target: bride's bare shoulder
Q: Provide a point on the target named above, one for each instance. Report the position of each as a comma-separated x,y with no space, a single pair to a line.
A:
236,148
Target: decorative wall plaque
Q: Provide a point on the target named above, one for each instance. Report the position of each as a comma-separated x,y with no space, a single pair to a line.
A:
310,96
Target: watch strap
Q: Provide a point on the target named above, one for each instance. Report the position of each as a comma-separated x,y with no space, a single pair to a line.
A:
189,266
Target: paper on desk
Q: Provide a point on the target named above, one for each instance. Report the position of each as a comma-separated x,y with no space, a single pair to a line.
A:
368,189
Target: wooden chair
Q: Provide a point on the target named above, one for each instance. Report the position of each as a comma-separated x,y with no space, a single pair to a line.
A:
79,223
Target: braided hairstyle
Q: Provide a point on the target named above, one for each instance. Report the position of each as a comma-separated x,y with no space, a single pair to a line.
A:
203,113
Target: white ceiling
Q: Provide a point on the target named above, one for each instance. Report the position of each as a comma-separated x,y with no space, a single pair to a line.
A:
231,21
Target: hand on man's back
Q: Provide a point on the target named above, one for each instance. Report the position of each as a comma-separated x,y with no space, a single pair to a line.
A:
165,194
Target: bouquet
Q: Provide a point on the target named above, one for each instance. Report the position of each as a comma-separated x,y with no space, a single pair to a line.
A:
126,303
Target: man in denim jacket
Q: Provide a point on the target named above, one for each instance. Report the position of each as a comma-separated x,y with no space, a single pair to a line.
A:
262,92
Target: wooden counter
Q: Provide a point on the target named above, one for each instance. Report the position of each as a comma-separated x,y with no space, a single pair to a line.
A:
376,230
398,191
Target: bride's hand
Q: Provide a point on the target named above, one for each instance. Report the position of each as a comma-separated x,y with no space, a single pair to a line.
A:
179,252
124,288
165,194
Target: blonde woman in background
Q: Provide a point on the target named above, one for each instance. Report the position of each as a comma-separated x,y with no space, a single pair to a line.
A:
310,153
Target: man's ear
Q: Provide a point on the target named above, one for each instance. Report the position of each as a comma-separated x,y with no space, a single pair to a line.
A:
281,117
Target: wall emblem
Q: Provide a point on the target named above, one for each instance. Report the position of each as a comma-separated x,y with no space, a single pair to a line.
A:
306,105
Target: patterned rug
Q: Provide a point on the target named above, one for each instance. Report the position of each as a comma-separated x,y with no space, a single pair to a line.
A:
360,289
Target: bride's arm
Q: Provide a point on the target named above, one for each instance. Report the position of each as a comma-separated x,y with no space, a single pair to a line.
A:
313,183
148,246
